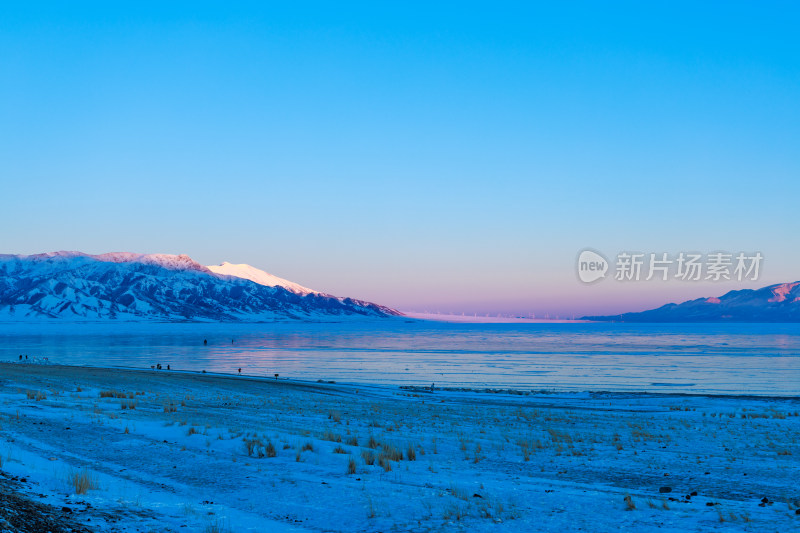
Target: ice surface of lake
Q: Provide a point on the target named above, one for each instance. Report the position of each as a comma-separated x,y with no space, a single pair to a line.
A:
702,358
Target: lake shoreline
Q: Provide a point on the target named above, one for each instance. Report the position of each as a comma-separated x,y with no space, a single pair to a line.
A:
422,389
758,360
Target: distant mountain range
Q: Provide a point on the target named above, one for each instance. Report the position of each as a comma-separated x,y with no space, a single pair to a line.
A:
776,303
128,286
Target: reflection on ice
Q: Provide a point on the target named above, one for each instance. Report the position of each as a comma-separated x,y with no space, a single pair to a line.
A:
708,358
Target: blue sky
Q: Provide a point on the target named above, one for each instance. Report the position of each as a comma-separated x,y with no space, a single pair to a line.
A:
453,157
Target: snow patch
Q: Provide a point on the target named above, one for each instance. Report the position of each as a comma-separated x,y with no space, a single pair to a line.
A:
781,292
261,277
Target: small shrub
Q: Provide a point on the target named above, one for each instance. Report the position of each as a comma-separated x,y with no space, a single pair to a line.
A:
351,466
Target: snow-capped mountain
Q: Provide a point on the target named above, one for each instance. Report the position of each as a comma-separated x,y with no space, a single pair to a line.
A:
127,286
258,276
775,303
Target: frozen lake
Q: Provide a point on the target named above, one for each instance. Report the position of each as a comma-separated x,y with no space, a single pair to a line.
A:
759,359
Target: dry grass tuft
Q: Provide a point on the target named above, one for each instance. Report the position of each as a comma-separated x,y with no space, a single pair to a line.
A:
269,449
255,447
528,446
629,505
331,436
215,527
35,395
82,481
112,394
128,404
559,436
459,493
368,456
391,453
454,512
411,453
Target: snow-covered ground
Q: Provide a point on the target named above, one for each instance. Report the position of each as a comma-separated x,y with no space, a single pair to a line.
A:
168,451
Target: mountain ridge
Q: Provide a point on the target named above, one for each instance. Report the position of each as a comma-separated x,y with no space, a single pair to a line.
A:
130,286
779,302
